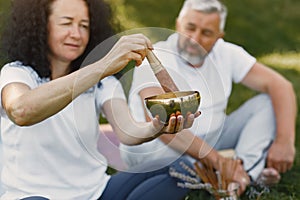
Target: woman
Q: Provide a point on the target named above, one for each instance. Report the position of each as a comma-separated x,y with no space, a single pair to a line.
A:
50,106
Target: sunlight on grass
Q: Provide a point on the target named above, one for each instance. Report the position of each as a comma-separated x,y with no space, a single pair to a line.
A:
289,60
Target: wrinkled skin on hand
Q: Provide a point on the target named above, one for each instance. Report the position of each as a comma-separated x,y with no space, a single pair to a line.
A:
281,156
177,122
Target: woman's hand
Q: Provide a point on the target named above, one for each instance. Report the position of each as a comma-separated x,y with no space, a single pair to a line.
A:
128,48
176,123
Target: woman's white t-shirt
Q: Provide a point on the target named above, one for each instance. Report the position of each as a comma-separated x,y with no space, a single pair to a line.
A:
56,158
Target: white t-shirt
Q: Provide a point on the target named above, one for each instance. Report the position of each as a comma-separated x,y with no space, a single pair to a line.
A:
226,63
56,158
1,160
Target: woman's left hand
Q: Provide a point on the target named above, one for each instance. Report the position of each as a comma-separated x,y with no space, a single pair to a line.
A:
176,123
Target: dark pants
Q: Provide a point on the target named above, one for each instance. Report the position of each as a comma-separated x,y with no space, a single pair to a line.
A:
158,184
35,198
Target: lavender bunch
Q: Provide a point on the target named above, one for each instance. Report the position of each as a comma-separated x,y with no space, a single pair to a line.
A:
190,181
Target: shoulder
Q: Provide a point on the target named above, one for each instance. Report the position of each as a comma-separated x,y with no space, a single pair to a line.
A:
229,51
169,44
18,66
221,44
18,72
109,81
110,85
109,88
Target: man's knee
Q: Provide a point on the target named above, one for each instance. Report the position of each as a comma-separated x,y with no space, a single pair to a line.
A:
261,103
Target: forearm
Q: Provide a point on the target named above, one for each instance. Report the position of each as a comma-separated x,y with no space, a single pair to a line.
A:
285,108
186,142
27,106
128,130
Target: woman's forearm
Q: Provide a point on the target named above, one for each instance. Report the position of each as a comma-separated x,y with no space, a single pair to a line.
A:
128,130
26,106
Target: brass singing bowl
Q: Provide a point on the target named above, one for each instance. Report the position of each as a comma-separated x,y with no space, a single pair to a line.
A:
167,104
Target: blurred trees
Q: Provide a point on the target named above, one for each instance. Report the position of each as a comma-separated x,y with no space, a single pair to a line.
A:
261,27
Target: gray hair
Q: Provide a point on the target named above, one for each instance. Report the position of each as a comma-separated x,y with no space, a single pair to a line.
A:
206,6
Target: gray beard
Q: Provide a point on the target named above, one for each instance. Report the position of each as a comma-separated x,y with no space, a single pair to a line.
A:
191,59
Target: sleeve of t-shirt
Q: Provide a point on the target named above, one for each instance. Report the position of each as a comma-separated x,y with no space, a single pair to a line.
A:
16,72
236,58
241,64
110,88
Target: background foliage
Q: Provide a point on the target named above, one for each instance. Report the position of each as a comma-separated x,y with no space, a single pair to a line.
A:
260,26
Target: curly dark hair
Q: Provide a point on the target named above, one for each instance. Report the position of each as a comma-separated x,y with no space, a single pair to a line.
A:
25,36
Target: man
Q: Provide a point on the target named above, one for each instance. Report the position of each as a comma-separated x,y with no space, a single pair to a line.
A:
261,131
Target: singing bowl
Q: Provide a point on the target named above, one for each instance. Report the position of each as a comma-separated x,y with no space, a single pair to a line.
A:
167,104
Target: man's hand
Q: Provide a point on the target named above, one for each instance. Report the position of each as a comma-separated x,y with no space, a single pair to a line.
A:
228,171
235,172
281,155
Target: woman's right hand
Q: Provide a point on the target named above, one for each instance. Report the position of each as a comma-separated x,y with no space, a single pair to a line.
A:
128,48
